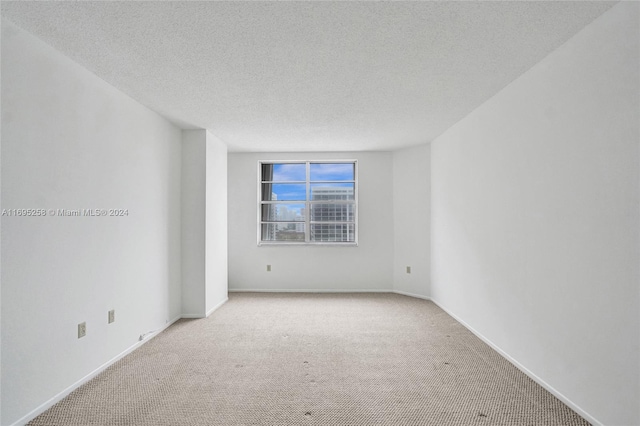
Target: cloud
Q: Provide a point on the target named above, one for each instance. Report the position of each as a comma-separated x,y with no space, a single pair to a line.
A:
319,172
290,191
289,172
332,171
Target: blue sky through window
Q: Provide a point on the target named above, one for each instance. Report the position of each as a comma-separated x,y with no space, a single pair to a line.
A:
289,191
287,172
331,171
320,172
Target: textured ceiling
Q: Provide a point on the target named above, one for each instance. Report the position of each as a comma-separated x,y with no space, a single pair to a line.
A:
308,76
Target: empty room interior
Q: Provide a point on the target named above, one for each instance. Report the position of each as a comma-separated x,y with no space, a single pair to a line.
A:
320,212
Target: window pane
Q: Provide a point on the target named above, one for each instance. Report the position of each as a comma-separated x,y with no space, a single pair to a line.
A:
332,191
284,212
307,202
332,212
332,171
342,232
283,232
284,192
284,172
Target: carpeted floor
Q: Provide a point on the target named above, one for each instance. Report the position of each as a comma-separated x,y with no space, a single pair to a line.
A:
313,359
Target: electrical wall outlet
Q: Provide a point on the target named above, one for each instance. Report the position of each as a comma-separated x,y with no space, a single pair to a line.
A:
82,329
112,316
408,269
268,268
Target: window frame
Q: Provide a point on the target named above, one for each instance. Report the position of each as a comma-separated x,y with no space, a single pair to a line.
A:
308,202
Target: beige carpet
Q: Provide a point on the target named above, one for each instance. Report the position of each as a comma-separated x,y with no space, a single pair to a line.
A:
313,359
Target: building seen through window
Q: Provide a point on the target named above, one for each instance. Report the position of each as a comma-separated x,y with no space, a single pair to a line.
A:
308,202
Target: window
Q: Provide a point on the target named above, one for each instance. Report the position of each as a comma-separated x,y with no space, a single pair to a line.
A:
308,202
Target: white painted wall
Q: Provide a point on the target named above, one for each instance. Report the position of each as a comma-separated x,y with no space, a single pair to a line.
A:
71,141
194,182
412,220
535,219
204,222
365,267
216,224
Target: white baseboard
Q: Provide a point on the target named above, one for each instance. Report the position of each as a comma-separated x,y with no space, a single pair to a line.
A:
144,338
417,296
306,290
212,310
57,398
192,316
297,290
209,312
522,368
48,404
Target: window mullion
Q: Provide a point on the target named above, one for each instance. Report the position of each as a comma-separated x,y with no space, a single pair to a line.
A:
334,203
307,210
